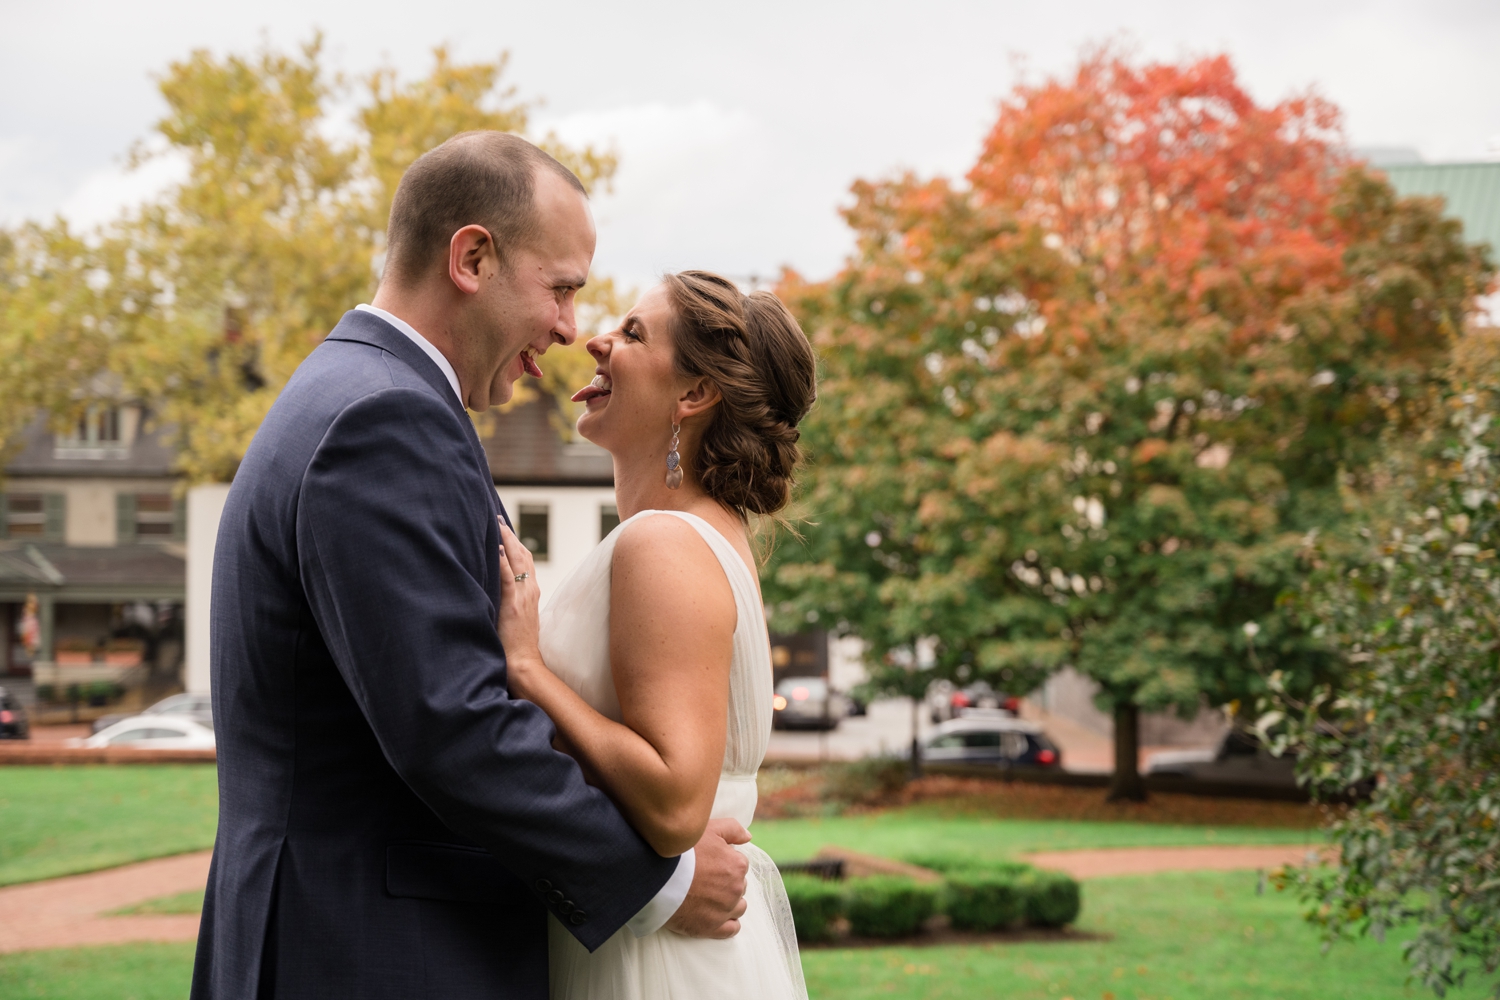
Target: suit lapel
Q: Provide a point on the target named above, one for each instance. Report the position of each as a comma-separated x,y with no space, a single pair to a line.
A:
366,328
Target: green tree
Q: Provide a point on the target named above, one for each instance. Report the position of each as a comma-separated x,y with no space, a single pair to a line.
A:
1416,620
204,301
1085,410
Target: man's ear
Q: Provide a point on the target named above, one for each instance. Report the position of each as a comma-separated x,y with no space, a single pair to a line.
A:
703,395
466,253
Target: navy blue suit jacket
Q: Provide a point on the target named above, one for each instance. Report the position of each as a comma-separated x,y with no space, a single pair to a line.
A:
391,823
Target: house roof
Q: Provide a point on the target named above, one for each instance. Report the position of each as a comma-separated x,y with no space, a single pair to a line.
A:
525,447
116,573
150,455
1471,190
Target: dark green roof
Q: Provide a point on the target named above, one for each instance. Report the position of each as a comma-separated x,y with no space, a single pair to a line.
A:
1471,190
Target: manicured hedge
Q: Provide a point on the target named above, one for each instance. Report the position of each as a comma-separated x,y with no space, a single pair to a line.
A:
977,896
1052,899
984,900
816,904
888,905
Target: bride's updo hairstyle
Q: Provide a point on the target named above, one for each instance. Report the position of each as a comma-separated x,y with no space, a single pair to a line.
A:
754,351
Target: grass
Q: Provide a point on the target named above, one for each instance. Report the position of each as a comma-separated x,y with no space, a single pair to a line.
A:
183,902
120,972
1190,936
1187,936
64,820
930,829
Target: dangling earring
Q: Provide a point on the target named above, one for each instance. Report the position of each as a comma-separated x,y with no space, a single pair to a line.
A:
674,462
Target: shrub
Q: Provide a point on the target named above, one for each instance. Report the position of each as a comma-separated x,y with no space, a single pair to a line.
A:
980,900
888,905
951,863
1052,899
866,780
816,904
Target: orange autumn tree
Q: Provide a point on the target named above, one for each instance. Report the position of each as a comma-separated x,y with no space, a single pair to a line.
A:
1086,409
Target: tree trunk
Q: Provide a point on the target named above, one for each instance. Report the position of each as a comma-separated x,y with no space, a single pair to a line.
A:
916,747
1126,785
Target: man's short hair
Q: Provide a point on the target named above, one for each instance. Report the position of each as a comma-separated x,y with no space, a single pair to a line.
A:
475,178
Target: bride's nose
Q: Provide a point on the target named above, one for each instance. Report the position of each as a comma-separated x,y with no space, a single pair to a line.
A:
598,346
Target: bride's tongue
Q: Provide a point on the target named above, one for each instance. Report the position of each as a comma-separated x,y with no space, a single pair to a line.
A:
598,387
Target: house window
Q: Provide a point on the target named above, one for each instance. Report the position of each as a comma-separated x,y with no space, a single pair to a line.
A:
532,528
98,434
155,515
609,519
32,515
148,517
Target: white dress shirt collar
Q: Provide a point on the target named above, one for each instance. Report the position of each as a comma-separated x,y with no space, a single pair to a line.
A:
422,342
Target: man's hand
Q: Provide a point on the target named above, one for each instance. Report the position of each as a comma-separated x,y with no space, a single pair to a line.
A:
716,900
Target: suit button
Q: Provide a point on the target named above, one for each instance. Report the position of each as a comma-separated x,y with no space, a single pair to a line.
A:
565,907
555,896
577,917
542,885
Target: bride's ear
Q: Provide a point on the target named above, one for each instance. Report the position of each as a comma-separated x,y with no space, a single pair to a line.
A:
701,396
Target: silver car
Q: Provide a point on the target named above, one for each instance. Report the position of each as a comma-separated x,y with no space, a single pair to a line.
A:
994,737
807,703
198,707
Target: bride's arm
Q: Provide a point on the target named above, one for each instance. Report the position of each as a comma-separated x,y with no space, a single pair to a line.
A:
671,636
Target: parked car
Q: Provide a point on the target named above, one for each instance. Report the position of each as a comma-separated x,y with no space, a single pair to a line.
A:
947,701
153,732
991,736
198,707
13,721
807,703
1239,759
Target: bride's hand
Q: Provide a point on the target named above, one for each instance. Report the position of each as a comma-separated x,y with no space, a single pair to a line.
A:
520,600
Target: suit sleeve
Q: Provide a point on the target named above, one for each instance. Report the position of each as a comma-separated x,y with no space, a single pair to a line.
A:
394,540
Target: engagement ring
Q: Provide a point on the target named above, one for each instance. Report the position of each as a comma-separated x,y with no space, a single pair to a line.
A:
522,576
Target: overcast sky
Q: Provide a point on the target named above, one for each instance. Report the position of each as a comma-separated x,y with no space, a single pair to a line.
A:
740,127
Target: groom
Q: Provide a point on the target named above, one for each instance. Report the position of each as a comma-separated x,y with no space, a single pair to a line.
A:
391,823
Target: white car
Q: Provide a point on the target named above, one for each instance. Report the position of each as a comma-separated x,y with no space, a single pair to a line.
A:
153,732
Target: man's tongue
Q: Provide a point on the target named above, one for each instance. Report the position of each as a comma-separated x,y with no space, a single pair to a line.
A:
528,363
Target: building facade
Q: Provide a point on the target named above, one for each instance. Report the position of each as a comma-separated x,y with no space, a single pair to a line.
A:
92,553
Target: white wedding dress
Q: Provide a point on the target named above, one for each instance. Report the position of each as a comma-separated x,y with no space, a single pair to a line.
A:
759,963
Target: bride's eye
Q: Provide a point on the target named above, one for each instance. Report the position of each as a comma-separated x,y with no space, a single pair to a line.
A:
630,333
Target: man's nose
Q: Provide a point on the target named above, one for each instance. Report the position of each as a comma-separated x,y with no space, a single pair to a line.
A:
566,329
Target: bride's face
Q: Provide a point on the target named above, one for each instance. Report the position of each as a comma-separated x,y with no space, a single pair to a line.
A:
632,400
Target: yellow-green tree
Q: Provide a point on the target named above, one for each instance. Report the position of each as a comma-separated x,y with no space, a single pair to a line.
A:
204,301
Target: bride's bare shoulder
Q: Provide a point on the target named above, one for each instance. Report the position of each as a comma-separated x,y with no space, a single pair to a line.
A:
664,556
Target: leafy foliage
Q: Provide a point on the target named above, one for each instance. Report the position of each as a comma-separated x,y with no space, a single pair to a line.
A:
1418,622
888,905
204,301
1085,410
982,900
816,904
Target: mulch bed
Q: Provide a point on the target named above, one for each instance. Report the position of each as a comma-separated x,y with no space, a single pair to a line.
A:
938,936
788,793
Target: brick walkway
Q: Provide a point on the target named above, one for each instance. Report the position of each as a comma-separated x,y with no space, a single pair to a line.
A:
68,912
1108,861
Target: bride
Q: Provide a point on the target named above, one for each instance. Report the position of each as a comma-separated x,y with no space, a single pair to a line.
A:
652,658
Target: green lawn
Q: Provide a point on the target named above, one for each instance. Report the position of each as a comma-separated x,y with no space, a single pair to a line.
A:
63,820
183,902
120,972
1190,936
928,830
1200,936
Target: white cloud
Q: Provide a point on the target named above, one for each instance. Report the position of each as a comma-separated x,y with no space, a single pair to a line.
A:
107,194
697,187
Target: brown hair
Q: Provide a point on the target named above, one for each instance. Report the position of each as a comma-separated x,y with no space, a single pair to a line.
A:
757,355
475,178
